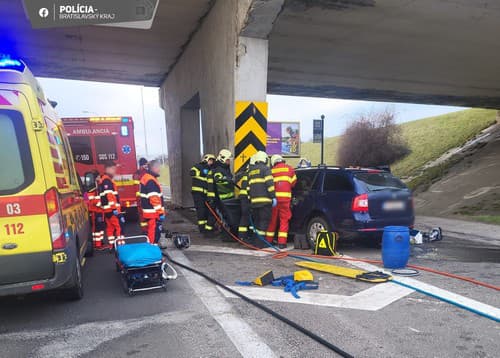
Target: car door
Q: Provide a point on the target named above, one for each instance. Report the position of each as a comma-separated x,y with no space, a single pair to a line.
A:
304,198
336,197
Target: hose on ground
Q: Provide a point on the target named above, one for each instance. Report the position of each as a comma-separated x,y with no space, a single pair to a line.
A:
278,254
266,309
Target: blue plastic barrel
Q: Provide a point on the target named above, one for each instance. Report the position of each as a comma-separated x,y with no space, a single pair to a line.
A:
395,246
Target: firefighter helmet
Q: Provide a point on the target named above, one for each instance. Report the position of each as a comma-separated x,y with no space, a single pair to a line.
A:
224,155
260,156
275,159
182,241
207,157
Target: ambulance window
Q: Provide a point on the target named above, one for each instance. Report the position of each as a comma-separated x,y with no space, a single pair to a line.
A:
105,149
82,150
67,152
124,131
15,155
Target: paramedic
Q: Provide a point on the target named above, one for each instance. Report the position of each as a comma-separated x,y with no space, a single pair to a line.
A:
284,181
199,173
143,169
152,201
110,203
96,213
260,192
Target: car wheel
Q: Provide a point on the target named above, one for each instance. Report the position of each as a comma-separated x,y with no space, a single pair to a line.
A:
75,289
315,225
89,251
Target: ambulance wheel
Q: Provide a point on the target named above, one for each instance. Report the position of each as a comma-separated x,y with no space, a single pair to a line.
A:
314,226
75,288
89,251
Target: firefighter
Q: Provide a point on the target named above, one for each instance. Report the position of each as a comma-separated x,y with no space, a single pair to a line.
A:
199,174
260,192
284,181
143,169
110,203
220,185
152,201
244,206
96,213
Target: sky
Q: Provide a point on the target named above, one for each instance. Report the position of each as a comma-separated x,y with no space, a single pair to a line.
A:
86,99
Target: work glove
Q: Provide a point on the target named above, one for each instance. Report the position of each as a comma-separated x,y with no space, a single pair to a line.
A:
205,171
162,218
122,219
275,202
116,212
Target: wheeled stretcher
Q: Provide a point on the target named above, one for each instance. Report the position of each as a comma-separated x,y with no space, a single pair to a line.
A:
141,265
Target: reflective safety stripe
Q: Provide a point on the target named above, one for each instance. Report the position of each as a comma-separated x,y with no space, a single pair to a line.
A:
153,193
105,192
270,233
281,194
149,211
202,222
270,189
196,188
260,232
242,229
257,181
282,234
200,178
260,200
284,178
280,170
143,223
226,196
209,228
211,194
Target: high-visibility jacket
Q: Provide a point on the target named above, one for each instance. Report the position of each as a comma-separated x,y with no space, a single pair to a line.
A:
151,197
260,185
110,200
137,180
94,201
199,174
244,187
219,182
284,181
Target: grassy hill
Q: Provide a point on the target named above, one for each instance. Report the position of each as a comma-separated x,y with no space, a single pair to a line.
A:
427,138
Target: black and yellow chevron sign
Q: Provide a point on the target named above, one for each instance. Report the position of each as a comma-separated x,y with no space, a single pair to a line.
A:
250,131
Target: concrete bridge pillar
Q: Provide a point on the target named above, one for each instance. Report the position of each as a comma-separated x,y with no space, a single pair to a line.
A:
225,61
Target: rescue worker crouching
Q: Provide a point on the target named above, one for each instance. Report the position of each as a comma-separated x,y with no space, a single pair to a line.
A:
143,169
220,186
261,194
110,203
199,173
284,181
152,201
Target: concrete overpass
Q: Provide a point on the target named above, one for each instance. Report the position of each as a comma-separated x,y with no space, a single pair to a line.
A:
206,54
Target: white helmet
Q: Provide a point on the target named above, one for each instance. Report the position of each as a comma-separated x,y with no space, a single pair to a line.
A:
260,156
224,155
275,159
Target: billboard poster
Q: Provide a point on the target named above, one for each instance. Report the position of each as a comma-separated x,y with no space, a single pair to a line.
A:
283,138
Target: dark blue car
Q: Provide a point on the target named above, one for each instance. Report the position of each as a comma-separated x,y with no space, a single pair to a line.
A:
351,201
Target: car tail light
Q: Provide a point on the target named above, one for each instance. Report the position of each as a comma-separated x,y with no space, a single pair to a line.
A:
360,203
38,287
55,219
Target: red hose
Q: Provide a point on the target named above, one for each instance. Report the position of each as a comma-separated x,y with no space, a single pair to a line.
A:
283,254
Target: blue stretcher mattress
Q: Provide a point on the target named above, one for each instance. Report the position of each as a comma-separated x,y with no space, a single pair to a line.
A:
138,255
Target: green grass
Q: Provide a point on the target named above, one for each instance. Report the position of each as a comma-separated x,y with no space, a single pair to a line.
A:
489,219
427,138
164,175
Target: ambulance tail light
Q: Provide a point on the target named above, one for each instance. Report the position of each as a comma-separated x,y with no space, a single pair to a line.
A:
360,203
55,219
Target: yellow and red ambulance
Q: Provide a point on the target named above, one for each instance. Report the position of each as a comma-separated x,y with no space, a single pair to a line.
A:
44,225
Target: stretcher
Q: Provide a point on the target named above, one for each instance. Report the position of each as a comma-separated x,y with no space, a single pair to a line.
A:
141,265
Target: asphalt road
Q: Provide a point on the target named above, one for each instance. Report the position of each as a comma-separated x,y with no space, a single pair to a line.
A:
195,319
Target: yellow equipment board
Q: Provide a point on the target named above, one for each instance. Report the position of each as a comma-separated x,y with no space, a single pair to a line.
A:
250,131
361,275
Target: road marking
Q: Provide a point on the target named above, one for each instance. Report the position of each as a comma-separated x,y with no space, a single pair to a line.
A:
246,341
228,250
372,299
448,295
74,341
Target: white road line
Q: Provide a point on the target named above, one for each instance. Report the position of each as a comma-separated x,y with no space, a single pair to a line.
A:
74,341
372,299
476,305
248,343
227,250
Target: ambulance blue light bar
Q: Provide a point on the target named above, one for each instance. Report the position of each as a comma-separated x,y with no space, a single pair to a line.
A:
124,120
11,64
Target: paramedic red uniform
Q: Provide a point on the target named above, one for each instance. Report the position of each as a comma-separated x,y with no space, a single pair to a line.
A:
152,205
284,181
110,204
137,180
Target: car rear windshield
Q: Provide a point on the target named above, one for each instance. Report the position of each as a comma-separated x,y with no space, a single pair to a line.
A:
15,156
375,181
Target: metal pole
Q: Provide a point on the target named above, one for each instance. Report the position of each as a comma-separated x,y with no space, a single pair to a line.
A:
144,121
322,138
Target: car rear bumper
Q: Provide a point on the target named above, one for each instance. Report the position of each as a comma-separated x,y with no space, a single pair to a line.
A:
365,224
62,274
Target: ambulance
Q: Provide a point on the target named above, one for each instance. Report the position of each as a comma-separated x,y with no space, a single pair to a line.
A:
97,140
44,226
